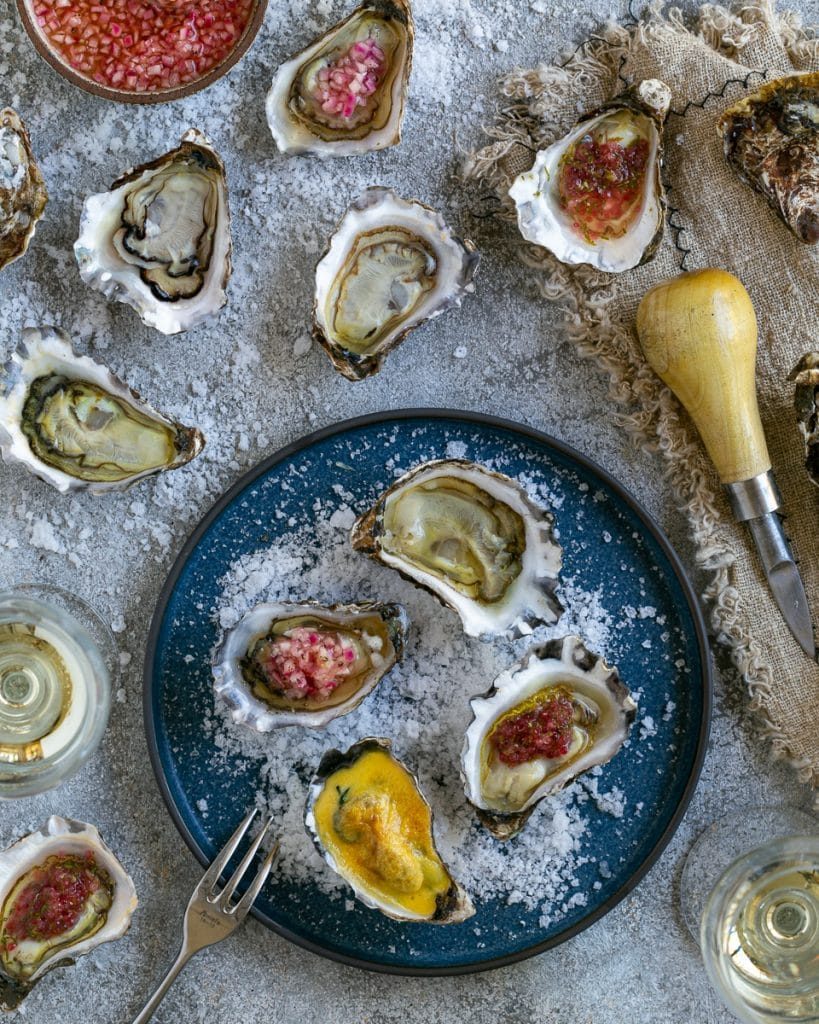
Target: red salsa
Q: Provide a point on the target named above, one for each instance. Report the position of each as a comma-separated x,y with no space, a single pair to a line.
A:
543,731
143,45
303,664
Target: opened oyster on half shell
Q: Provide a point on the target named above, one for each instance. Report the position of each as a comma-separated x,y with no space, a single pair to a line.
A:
159,239
391,265
23,194
76,425
805,375
63,893
474,539
553,715
305,664
596,196
345,93
370,822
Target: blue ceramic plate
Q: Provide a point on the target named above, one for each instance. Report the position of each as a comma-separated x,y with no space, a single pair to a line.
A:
609,543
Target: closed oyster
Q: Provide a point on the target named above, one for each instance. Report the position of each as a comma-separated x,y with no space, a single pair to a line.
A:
553,715
76,425
370,822
345,93
473,538
596,196
159,239
304,664
806,400
391,265
771,139
23,194
90,900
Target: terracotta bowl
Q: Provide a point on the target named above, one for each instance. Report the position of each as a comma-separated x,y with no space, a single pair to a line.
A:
47,51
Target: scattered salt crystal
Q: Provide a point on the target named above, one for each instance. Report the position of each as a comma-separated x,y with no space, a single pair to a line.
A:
118,624
202,805
43,536
647,727
456,450
302,345
120,696
460,352
124,659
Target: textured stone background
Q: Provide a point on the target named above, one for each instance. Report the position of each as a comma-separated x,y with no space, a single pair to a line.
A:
253,383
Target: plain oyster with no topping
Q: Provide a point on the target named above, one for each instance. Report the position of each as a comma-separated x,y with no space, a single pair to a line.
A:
23,194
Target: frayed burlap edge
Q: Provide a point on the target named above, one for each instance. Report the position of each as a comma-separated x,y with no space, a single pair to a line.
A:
648,411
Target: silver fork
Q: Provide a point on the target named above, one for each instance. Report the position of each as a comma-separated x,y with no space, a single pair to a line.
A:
211,916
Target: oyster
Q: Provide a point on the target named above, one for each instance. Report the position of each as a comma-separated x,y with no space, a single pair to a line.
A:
596,196
391,265
771,139
550,717
302,664
37,936
76,425
473,538
806,400
370,822
23,194
345,93
159,239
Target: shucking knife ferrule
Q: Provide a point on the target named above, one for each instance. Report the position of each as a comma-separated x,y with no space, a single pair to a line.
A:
751,499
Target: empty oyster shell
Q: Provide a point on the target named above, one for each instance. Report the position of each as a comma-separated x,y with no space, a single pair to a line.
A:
391,265
304,664
98,909
159,240
76,425
345,93
473,538
806,400
771,139
587,707
370,822
596,196
23,194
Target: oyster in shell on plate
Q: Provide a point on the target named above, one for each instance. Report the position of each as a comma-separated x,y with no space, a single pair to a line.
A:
345,93
391,265
305,664
806,401
553,715
771,140
76,425
370,822
472,537
67,858
596,196
23,194
159,239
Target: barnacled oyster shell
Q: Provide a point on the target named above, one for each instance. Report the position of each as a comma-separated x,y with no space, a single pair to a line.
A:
29,948
76,425
771,140
370,822
23,194
159,239
345,93
473,538
806,400
599,713
614,153
391,265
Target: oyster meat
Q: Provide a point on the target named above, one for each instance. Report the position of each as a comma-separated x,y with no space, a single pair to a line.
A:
63,893
345,93
771,139
23,194
159,239
76,425
391,265
553,715
304,664
596,196
806,400
370,822
473,538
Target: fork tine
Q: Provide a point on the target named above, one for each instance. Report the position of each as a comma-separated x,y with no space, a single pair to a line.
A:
211,876
239,873
246,902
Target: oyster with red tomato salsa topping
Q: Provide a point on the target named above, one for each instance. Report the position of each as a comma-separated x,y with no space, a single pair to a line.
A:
596,196
62,892
555,714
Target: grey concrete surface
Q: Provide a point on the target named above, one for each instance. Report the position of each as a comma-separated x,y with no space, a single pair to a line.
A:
244,380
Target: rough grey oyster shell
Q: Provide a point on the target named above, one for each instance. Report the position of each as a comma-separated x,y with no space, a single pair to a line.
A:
23,194
806,400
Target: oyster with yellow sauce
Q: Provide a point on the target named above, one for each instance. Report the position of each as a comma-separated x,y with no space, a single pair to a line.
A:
371,824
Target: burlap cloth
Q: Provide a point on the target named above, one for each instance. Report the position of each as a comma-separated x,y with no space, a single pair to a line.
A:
715,221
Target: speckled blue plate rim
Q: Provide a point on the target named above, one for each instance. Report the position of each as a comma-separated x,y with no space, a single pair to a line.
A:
567,452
